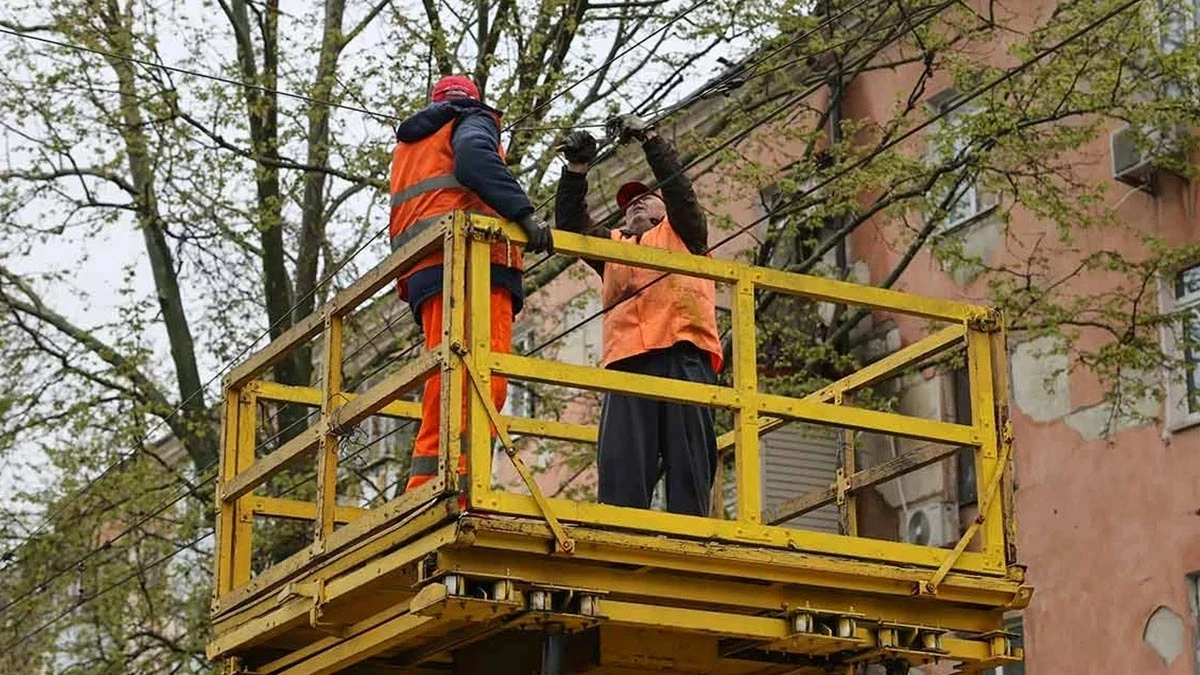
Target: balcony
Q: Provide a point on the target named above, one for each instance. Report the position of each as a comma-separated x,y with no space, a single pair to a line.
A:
518,582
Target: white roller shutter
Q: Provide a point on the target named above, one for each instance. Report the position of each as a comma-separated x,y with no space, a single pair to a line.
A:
797,459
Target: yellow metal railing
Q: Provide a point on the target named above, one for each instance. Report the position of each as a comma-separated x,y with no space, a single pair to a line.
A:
466,241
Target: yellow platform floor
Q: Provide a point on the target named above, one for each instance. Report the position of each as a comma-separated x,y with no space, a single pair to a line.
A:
474,594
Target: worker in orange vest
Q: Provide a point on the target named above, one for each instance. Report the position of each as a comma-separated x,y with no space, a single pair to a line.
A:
653,325
449,157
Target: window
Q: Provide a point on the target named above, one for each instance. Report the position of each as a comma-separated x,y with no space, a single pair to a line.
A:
954,141
1182,341
1177,21
770,200
582,346
968,491
1017,629
521,399
798,233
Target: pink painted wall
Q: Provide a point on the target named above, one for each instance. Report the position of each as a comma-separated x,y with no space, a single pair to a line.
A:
1108,528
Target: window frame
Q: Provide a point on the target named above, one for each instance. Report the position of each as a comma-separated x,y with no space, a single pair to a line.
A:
965,470
939,104
523,339
1181,390
1174,31
770,197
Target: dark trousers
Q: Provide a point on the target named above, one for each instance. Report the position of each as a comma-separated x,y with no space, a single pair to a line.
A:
636,433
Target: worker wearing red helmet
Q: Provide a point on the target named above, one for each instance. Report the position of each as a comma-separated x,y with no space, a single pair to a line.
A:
653,325
449,157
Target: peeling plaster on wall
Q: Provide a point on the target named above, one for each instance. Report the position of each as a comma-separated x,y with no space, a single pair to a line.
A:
1165,633
1096,422
979,241
1040,384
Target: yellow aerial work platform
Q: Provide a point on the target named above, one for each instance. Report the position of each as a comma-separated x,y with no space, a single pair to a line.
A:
525,583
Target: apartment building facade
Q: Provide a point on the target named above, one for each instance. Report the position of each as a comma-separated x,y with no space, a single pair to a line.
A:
1108,505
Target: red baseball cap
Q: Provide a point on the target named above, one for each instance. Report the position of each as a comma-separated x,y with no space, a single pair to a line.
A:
454,86
631,191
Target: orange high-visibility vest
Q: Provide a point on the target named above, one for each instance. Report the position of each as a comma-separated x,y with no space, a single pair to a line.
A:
673,309
424,189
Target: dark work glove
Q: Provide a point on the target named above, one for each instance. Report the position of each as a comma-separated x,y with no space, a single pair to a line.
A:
580,148
539,235
622,128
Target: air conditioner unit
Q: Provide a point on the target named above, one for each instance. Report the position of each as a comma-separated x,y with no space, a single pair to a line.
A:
930,525
1132,163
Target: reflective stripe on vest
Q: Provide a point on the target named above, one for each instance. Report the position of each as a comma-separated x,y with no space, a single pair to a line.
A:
424,466
423,189
427,466
418,227
442,182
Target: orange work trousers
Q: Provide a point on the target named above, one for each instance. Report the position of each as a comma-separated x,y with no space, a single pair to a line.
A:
425,450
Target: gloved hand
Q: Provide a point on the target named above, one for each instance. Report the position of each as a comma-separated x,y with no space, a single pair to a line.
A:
539,235
622,128
579,148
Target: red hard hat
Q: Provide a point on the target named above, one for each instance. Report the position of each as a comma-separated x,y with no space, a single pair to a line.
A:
454,86
628,192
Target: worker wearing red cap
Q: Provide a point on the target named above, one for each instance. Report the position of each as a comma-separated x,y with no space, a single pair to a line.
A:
449,157
653,325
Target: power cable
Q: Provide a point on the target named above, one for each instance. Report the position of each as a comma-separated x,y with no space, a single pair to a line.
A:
607,63
195,73
787,105
945,111
41,584
57,513
190,491
141,569
740,135
948,109
107,545
417,345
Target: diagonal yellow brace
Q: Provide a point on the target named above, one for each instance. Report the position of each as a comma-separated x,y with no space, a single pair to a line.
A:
564,543
930,586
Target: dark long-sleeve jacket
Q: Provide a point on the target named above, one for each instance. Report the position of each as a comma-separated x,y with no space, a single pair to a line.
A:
479,167
477,164
683,208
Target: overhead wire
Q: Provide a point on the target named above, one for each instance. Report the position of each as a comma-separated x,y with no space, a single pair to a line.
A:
958,103
205,534
195,73
791,100
106,545
783,107
367,242
417,345
141,569
144,438
942,113
40,585
206,475
616,57
57,513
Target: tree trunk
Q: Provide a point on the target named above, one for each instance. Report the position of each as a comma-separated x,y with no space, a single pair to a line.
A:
312,224
197,428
